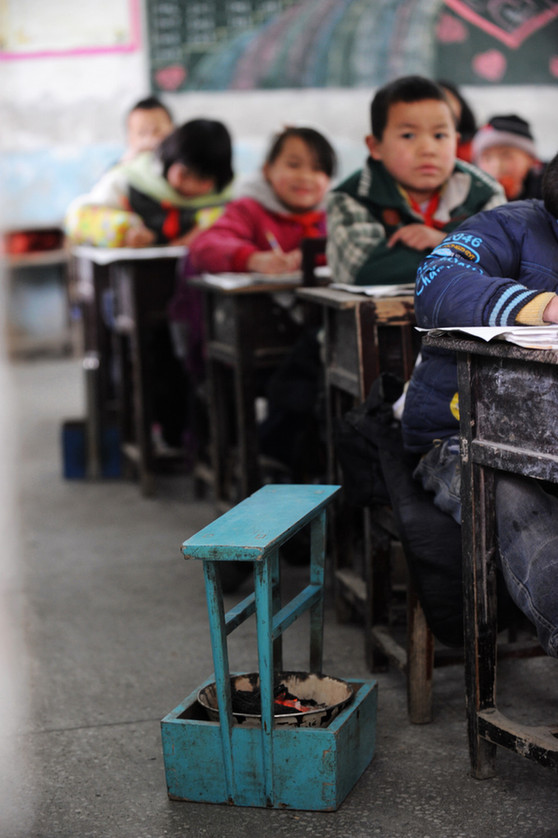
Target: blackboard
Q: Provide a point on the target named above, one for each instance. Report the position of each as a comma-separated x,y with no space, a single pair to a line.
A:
248,44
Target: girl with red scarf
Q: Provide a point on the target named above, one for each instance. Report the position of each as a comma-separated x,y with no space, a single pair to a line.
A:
262,230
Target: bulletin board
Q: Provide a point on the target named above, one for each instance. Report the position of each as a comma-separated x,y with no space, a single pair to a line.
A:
37,29
246,44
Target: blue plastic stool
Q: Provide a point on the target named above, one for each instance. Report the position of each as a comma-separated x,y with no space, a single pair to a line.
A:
224,762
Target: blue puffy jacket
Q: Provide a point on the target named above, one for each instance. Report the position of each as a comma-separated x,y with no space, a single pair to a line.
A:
482,274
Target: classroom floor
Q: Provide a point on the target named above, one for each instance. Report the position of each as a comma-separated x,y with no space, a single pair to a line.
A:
104,631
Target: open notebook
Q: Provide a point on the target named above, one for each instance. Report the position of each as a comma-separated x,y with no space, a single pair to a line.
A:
530,337
229,281
378,290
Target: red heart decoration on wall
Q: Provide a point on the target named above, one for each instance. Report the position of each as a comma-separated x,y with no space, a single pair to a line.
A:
490,65
169,78
511,21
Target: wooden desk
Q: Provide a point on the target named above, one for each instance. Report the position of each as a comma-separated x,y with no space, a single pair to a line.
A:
247,331
143,280
28,277
508,398
363,336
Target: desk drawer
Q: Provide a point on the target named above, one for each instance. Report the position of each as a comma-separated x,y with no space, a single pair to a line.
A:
514,416
257,319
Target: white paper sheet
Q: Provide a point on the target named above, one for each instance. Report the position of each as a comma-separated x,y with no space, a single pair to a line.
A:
378,290
530,337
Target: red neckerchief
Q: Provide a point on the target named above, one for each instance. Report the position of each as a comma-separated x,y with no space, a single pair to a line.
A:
309,221
428,213
171,224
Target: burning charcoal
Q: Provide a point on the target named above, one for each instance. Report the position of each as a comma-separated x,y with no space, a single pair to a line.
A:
249,701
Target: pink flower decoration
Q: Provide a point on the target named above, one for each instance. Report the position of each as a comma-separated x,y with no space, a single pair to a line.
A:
553,65
450,30
491,65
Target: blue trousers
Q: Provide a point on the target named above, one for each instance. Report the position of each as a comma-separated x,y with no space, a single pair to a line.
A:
527,528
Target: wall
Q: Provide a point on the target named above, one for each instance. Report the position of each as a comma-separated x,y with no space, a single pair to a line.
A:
62,121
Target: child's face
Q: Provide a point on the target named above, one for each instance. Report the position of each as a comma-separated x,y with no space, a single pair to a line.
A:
507,164
147,128
418,146
188,184
295,177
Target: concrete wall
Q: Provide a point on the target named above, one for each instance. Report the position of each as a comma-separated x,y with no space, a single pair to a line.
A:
62,123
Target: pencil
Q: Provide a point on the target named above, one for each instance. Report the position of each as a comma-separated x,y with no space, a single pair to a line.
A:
274,244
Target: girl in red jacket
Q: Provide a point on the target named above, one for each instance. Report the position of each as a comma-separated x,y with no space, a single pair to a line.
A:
262,230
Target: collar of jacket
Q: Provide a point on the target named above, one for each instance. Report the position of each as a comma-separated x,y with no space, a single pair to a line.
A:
379,187
144,174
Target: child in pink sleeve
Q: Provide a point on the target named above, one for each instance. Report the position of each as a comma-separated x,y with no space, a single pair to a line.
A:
263,229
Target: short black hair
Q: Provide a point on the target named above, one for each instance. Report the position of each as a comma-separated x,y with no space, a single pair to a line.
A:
323,151
404,89
550,187
204,146
150,103
467,123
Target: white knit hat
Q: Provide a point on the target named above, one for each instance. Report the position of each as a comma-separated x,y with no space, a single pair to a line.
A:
508,130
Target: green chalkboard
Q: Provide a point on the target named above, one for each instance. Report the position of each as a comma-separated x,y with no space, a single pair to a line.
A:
247,44
183,35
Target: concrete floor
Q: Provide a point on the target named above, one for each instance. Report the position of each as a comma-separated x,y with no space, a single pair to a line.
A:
104,631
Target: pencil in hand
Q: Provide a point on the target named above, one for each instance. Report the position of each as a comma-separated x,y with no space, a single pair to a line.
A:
273,243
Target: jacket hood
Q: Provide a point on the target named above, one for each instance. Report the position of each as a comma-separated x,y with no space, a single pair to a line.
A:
258,188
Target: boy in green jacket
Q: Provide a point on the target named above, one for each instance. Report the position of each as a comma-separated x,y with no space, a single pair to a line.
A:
411,192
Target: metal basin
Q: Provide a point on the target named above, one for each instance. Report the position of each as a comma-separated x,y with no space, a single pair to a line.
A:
321,696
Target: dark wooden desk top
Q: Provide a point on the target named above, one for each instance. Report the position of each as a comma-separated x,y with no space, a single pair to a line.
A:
494,348
386,308
271,286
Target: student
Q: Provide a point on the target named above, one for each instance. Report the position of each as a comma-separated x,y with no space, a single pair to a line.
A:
466,123
505,148
147,124
161,196
411,192
262,230
499,268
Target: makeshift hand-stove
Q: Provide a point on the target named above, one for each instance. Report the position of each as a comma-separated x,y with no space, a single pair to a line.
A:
308,751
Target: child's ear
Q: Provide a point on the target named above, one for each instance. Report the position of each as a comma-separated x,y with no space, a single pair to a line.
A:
373,146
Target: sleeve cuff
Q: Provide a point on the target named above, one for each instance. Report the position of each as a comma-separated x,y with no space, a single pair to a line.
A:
532,313
240,257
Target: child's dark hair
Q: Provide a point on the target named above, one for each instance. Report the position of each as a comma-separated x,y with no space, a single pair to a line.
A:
150,103
324,154
467,124
203,146
404,89
550,187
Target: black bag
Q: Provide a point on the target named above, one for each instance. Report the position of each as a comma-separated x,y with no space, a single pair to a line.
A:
378,470
355,437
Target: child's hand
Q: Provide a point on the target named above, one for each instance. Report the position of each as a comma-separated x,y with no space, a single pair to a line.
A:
187,238
417,236
550,314
138,237
275,261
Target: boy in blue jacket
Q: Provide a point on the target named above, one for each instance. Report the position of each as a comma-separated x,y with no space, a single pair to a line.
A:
499,268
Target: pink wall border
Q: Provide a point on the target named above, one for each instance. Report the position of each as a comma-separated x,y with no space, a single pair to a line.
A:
131,46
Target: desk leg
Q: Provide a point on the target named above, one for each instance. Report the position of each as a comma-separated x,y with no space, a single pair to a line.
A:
479,585
245,397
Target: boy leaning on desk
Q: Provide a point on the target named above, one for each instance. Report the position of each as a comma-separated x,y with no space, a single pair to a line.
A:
499,268
162,196
411,191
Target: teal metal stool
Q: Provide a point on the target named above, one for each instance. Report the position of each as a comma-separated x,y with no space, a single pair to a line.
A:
275,766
